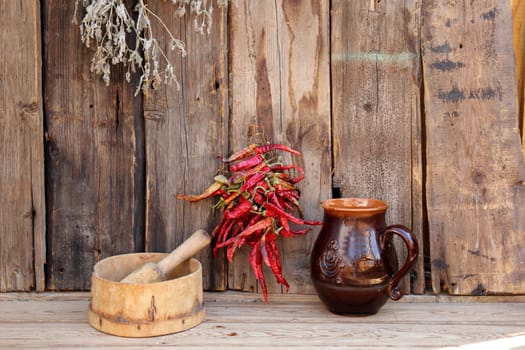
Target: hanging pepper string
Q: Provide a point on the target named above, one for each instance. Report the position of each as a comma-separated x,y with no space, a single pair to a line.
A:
259,199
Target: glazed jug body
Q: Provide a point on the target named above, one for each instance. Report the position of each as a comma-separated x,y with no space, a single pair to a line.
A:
354,263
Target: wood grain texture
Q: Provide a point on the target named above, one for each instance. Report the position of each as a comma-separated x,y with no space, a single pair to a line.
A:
240,321
376,114
280,82
186,130
94,160
518,20
22,210
475,166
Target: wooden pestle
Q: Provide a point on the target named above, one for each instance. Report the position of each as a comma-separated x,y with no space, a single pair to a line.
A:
156,272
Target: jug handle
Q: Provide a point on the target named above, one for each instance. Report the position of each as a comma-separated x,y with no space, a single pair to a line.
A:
412,251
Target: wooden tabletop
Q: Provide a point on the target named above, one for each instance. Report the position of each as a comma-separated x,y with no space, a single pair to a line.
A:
242,320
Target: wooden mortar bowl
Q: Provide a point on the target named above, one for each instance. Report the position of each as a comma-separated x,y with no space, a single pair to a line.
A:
145,310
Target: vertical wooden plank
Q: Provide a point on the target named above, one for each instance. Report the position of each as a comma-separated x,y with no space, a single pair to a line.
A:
518,20
475,166
418,274
94,167
376,114
22,210
280,82
186,130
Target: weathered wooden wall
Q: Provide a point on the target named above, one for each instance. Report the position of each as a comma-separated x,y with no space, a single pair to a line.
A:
413,102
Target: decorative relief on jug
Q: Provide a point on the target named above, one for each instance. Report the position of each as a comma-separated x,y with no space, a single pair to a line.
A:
330,262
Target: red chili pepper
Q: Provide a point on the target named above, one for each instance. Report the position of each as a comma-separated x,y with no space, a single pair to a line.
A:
256,262
300,232
225,227
252,181
281,167
258,198
262,248
293,198
312,223
299,177
272,147
218,228
276,212
246,151
242,207
231,198
260,225
252,220
239,176
289,195
283,185
273,198
232,231
275,260
286,177
247,163
239,242
284,204
285,226
210,191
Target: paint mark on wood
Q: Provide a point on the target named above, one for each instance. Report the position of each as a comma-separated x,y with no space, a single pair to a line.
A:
485,93
445,48
446,65
490,15
454,95
452,114
440,264
478,253
399,58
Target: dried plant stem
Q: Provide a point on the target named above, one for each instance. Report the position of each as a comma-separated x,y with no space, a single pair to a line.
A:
108,23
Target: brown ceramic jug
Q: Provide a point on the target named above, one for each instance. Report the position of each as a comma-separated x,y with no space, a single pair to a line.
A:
353,261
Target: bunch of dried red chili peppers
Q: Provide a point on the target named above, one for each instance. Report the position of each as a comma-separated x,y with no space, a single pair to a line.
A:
259,199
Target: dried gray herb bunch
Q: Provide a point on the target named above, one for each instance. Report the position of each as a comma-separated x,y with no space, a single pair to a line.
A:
108,26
